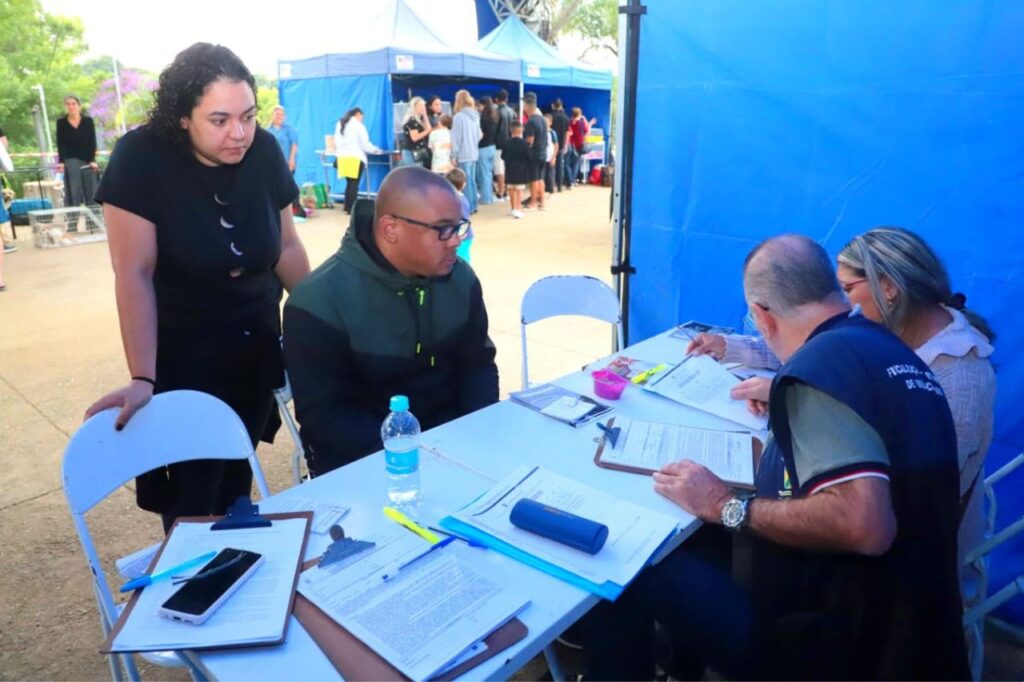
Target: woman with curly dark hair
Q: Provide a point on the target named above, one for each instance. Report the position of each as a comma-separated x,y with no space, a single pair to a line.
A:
197,204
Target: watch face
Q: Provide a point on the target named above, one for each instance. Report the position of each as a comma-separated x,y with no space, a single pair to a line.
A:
733,513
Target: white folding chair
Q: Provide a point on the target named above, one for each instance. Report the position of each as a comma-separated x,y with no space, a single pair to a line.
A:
974,618
283,396
174,427
569,295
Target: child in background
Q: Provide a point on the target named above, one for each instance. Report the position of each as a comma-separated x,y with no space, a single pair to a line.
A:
457,177
516,155
440,144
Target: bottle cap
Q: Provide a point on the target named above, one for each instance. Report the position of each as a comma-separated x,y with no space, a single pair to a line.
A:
399,403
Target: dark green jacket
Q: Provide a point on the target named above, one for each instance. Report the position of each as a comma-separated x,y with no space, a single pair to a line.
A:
356,332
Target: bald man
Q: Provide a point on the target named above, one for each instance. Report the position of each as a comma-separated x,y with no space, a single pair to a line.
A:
854,523
394,311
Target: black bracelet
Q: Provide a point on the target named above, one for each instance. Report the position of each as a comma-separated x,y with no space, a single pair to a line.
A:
146,379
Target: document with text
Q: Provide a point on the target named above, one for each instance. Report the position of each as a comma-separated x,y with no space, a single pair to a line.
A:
701,383
634,532
645,447
426,617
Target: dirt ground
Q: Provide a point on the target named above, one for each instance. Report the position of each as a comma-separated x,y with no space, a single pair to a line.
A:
60,349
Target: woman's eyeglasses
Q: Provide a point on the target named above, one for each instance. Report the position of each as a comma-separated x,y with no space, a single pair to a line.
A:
848,286
445,231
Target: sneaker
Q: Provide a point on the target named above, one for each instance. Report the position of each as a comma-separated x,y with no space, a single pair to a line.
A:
517,214
10,248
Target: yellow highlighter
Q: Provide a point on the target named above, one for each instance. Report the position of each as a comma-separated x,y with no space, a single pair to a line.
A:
403,520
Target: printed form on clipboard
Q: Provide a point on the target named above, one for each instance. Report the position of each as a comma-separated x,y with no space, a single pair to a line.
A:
703,384
645,447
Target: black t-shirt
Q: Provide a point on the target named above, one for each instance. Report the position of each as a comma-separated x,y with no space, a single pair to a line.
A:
414,124
218,229
516,155
489,128
537,128
1,132
560,124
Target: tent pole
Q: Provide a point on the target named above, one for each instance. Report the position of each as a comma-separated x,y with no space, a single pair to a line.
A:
621,266
521,99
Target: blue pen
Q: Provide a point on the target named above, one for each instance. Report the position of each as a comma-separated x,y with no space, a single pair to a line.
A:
469,541
142,581
393,571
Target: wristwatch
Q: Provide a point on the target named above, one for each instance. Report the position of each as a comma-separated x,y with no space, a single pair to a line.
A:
735,514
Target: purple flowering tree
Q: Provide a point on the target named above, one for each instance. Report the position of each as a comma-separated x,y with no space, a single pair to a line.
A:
137,97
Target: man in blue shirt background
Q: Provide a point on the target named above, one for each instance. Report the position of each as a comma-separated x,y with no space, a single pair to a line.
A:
286,136
288,140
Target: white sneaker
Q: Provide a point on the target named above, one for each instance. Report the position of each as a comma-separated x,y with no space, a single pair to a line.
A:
517,214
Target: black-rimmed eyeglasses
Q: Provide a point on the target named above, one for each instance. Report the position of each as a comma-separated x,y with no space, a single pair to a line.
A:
445,231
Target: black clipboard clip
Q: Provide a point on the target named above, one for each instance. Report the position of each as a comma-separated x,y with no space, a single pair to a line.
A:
242,514
342,547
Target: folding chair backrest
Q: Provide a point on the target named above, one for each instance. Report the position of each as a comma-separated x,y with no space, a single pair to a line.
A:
568,295
174,427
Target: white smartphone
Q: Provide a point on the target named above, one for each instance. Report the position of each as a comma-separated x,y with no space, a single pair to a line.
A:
211,586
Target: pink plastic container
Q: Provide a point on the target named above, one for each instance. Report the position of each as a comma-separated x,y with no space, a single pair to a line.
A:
609,385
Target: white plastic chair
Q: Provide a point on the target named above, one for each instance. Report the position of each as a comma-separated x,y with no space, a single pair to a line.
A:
569,295
283,396
974,618
174,427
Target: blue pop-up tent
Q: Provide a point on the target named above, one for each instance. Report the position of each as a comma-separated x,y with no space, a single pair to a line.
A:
398,53
549,74
827,118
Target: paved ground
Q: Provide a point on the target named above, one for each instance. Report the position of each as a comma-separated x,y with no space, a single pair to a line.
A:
60,349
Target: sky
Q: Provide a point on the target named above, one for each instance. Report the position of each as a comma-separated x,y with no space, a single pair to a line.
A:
148,35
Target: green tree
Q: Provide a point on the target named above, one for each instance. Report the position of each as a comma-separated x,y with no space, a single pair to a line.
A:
598,22
38,48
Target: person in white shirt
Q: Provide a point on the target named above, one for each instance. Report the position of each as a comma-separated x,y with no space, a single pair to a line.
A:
440,143
352,144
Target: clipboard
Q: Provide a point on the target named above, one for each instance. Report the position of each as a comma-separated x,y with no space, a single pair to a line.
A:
756,448
356,661
107,646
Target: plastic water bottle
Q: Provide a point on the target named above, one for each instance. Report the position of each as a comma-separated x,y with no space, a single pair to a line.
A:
401,435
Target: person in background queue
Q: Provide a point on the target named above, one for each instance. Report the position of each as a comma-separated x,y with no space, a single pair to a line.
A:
76,153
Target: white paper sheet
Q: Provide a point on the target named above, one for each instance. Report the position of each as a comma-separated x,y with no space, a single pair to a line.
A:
257,612
634,532
422,620
325,514
701,383
649,445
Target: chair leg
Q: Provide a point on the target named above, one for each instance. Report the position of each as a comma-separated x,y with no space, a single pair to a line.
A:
551,656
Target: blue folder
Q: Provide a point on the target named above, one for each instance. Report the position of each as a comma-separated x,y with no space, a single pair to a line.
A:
607,590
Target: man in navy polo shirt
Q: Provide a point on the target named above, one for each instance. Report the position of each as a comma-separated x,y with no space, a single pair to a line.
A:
854,522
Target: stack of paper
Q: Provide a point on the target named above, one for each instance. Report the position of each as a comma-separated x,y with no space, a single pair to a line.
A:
561,404
425,618
634,532
256,614
701,383
645,447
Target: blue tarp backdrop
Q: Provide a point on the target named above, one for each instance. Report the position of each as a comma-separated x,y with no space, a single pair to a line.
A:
829,117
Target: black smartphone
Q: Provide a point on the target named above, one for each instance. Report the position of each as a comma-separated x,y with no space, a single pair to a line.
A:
211,586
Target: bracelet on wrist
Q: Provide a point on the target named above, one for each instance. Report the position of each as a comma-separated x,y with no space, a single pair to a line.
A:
149,381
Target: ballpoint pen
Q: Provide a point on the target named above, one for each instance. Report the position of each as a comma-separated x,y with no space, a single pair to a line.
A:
144,580
403,520
469,541
393,570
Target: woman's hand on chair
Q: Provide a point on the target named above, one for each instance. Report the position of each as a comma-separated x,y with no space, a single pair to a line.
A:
130,399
